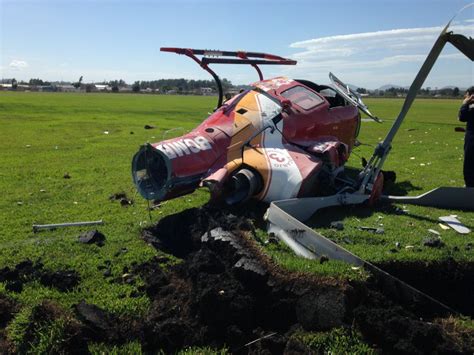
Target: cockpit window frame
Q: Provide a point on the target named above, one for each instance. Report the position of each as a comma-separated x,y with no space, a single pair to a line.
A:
310,92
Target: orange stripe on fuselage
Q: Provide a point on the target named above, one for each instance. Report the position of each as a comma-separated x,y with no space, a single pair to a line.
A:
244,126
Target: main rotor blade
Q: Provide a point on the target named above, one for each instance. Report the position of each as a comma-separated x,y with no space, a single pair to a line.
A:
455,198
417,83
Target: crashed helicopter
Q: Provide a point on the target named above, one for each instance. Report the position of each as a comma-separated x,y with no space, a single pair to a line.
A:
284,138
286,141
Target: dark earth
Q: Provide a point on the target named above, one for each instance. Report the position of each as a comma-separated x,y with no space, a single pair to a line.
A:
227,293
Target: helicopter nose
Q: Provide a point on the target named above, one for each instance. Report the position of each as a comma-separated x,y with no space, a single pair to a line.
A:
151,172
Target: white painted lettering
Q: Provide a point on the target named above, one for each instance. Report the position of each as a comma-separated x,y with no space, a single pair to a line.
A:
192,145
165,148
180,148
203,143
186,146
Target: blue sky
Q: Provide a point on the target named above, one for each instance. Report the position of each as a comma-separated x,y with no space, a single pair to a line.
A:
365,43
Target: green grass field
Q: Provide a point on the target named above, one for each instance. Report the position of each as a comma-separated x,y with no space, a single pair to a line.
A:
93,137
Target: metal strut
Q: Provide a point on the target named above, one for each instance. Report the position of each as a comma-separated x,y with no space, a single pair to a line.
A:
212,57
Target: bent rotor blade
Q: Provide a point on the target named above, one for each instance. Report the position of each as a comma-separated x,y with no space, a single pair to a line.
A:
284,220
453,198
382,150
463,44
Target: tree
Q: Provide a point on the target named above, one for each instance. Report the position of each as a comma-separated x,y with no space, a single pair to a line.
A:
456,91
14,84
78,84
136,86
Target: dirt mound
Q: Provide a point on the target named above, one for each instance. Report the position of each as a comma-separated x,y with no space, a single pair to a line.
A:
8,308
99,325
49,318
70,332
27,271
449,281
393,329
225,292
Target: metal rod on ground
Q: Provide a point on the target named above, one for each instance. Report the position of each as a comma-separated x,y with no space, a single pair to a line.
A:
37,227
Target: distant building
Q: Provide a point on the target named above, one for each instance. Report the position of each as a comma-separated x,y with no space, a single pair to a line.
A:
233,91
66,88
23,87
125,89
206,91
5,86
46,88
101,87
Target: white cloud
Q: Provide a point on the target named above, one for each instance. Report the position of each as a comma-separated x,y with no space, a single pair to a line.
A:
395,50
18,64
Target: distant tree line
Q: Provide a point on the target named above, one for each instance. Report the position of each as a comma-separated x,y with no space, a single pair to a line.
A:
185,86
178,85
181,85
402,92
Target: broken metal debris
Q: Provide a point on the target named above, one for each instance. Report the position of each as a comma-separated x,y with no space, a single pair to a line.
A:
323,259
399,210
122,198
121,251
433,242
92,237
37,227
272,239
455,224
337,225
372,229
443,226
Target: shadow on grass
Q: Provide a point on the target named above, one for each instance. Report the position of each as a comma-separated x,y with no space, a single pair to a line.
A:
324,217
401,188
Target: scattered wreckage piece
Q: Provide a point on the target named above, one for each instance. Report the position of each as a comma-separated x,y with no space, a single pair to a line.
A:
92,237
455,224
38,227
372,229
